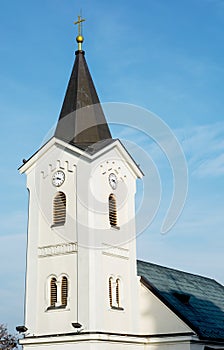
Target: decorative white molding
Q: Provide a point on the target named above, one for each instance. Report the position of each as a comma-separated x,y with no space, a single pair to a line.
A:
58,249
65,165
129,341
115,251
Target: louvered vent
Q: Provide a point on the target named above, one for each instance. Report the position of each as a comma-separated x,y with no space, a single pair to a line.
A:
64,291
59,210
118,292
110,291
112,210
53,292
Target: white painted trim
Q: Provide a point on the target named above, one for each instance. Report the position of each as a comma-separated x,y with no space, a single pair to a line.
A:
75,150
118,252
109,338
57,249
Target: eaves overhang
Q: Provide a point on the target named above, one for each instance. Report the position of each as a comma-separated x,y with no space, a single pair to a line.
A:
109,337
89,153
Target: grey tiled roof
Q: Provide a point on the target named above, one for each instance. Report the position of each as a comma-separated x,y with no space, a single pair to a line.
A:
197,300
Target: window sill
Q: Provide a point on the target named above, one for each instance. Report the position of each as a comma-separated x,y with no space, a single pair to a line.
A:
115,227
57,225
117,308
61,307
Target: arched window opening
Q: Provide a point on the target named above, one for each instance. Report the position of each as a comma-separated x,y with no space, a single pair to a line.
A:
115,299
64,291
112,210
59,209
53,292
110,291
117,292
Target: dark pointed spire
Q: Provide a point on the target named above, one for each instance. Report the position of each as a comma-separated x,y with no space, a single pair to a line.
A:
81,121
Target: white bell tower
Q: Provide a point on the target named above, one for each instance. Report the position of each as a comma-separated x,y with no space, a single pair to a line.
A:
81,279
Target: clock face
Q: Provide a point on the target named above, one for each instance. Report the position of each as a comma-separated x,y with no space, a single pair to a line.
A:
113,181
58,178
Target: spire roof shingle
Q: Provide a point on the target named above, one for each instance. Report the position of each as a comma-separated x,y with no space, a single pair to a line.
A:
81,120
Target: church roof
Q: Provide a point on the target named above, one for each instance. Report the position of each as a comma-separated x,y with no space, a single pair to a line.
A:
81,120
197,300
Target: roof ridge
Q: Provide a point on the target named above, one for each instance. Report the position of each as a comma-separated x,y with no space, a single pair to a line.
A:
180,271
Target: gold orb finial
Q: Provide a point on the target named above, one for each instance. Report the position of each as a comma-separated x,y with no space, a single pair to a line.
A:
79,38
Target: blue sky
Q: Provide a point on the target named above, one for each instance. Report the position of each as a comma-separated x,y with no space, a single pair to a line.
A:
163,55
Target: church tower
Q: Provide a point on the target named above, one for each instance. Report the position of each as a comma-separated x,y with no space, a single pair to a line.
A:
81,279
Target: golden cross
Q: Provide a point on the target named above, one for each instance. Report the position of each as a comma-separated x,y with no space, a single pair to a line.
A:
79,22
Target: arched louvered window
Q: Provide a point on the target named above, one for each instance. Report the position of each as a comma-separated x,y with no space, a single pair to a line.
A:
53,292
117,292
112,210
64,291
59,209
110,291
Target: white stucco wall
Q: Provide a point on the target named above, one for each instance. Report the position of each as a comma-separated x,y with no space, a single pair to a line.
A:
86,248
114,343
156,317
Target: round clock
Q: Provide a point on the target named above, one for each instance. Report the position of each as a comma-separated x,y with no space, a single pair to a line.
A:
58,178
113,181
